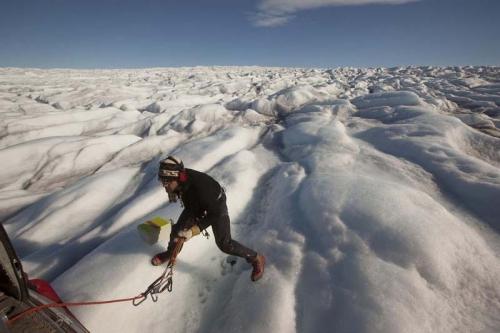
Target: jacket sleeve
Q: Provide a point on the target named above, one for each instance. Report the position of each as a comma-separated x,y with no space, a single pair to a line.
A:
185,221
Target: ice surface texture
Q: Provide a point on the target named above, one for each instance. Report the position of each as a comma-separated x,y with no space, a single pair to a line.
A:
374,194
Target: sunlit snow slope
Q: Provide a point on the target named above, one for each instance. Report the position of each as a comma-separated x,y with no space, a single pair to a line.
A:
373,193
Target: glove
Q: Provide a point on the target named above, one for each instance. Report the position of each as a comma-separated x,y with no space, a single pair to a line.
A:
188,233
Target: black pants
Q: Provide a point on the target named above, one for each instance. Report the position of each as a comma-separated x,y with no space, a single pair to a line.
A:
222,233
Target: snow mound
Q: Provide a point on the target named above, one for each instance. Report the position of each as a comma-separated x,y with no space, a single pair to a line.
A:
373,193
387,99
200,118
264,106
292,98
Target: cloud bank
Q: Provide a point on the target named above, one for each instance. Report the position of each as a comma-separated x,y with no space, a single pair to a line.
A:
272,13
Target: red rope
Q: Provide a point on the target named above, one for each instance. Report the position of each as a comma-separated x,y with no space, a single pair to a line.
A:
61,305
177,249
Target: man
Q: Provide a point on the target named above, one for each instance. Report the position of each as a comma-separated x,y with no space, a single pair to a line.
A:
204,203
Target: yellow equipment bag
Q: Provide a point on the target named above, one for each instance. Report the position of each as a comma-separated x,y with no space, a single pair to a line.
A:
154,230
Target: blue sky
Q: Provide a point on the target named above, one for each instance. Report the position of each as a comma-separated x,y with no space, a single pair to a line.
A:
307,33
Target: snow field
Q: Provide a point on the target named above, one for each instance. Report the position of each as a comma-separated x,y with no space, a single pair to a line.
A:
373,194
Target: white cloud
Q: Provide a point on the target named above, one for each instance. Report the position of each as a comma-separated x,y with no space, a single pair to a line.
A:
273,13
263,19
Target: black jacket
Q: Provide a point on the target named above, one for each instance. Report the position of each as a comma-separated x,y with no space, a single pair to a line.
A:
203,198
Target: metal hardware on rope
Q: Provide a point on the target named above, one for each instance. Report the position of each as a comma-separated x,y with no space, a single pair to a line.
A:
165,281
170,281
205,234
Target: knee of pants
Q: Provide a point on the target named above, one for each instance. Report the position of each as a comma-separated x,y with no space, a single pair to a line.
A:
225,245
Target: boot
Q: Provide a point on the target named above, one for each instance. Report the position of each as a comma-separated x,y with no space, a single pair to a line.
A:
258,267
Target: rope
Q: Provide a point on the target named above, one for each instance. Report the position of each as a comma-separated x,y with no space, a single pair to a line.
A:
60,305
164,282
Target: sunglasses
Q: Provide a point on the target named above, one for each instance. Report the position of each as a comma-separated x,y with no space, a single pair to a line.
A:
164,181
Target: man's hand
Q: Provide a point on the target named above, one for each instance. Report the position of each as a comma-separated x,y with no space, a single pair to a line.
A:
188,233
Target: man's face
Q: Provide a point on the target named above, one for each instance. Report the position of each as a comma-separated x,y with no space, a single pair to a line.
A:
170,185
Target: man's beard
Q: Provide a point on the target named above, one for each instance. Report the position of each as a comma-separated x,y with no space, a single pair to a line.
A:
173,196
